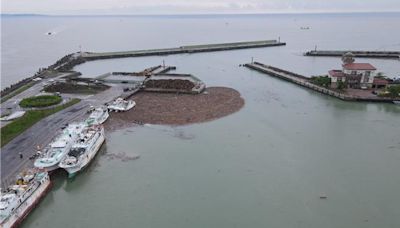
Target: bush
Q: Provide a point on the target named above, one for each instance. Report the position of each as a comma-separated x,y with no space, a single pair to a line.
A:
324,81
40,101
341,85
394,90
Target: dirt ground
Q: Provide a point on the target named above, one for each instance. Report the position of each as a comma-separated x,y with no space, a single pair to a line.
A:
178,109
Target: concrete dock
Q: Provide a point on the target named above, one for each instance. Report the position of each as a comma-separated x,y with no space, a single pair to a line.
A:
304,82
361,54
183,49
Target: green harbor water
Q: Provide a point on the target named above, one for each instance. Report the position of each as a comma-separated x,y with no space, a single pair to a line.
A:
264,166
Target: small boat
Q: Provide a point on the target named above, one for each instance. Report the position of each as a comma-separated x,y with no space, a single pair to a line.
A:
58,148
84,150
396,102
121,105
22,197
97,116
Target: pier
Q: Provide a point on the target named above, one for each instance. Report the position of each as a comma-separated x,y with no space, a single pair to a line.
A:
303,81
361,54
183,49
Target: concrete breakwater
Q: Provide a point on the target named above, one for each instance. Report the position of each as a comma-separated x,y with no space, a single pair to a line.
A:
361,54
183,49
304,82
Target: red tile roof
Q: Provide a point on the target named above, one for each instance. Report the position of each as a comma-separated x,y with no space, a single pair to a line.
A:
336,73
358,66
380,81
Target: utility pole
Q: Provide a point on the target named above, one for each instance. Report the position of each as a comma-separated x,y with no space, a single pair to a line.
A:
252,60
163,63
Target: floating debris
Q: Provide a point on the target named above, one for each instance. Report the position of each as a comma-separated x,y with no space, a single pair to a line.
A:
121,156
323,196
183,135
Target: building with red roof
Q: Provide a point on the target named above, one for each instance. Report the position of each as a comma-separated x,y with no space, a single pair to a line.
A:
354,75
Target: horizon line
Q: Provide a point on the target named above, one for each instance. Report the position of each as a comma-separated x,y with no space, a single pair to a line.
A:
200,14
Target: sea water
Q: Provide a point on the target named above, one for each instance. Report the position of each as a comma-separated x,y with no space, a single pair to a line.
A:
264,166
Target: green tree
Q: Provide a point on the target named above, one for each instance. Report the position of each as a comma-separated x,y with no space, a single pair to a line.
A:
394,91
341,85
324,81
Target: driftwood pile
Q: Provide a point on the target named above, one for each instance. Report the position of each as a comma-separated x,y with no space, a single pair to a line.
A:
170,84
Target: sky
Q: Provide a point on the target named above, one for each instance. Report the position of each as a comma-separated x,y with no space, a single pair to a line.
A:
115,7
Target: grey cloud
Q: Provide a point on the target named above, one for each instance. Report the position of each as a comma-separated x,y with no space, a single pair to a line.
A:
193,6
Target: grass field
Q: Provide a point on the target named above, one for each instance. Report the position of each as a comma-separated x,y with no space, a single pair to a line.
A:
40,101
15,128
72,88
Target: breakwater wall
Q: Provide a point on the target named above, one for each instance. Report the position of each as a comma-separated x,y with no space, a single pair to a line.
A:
183,49
361,54
303,81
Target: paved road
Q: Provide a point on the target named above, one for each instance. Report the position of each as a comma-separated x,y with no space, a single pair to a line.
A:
12,104
44,131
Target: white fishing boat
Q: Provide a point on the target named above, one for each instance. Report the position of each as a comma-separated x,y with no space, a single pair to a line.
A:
121,105
19,199
58,148
84,150
97,116
396,102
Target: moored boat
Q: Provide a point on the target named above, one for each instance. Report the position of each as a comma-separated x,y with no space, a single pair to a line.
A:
121,105
19,199
97,116
58,148
84,150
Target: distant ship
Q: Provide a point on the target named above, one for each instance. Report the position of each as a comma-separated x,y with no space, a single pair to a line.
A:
97,116
59,147
121,105
83,150
19,199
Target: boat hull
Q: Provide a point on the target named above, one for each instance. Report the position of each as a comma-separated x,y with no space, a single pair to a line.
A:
48,168
73,171
18,217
